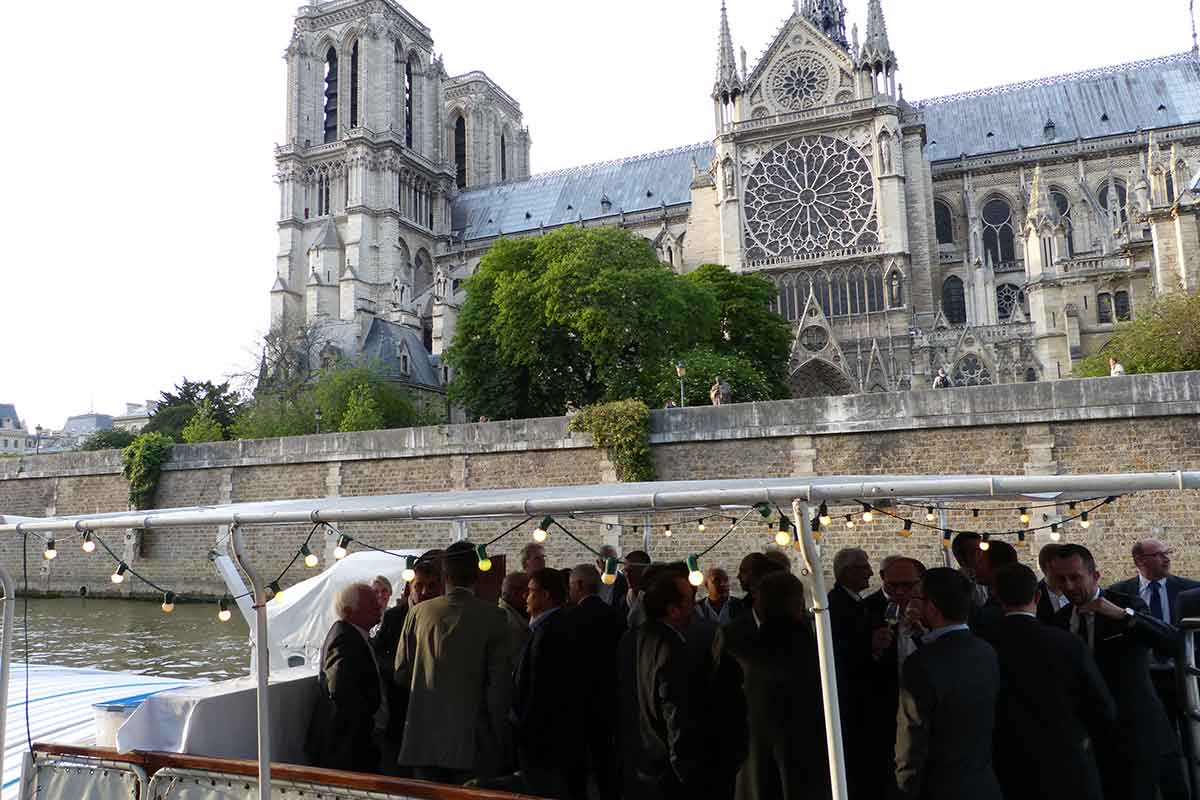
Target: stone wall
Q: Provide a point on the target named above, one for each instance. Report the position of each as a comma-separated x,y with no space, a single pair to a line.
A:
1137,423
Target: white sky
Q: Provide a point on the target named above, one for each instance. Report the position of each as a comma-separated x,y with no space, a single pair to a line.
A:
140,203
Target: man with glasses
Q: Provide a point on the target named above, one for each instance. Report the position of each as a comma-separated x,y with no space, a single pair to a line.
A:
1160,590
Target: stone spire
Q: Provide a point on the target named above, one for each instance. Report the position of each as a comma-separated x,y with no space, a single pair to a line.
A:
1041,207
876,52
729,82
829,17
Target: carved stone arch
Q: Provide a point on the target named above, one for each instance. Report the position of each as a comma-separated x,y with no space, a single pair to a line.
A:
877,375
820,378
972,368
423,269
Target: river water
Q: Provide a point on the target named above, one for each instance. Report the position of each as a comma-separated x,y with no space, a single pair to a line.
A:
132,636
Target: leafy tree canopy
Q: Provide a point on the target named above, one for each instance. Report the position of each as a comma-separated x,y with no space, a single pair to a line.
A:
362,412
585,316
176,408
203,426
1165,337
746,383
114,439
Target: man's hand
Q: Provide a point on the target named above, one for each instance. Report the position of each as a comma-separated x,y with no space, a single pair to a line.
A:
1104,608
881,639
912,617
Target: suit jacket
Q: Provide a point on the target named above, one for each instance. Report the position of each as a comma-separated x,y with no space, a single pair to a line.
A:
340,735
518,627
546,702
455,659
846,618
1187,605
1175,586
774,675
661,731
985,618
385,641
1122,652
1045,608
878,689
1053,707
596,629
947,711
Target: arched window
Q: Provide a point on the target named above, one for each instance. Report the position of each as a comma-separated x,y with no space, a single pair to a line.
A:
839,296
1063,204
408,104
895,289
874,289
354,86
1170,188
1031,375
857,287
802,292
331,95
943,221
323,194
460,152
971,371
998,242
1009,297
1119,191
954,301
1121,306
503,158
1104,308
821,290
671,255
787,299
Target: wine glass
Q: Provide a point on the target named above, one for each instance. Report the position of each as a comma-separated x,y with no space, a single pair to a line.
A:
892,615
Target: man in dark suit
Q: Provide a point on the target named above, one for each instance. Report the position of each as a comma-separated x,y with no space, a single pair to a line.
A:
662,732
596,629
1050,598
426,584
1121,634
1160,590
544,715
1053,702
883,644
847,615
613,593
947,700
342,732
984,618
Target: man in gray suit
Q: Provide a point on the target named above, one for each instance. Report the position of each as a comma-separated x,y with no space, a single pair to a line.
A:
947,699
455,659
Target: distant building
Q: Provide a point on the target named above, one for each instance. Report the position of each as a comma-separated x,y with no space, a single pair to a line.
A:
79,427
135,417
14,439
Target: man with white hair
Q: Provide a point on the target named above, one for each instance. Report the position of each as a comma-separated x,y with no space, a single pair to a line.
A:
341,734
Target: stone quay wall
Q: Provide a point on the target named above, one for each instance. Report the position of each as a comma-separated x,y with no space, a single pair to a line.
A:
1102,425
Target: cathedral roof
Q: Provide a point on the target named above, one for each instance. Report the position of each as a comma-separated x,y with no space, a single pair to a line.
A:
1124,98
381,347
640,183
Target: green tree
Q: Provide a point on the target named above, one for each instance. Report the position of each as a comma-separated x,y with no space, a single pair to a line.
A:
746,383
1165,337
362,412
747,328
334,387
575,316
203,426
176,409
269,416
115,439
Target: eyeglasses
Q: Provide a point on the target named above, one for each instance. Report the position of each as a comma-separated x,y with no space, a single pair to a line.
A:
892,586
1160,553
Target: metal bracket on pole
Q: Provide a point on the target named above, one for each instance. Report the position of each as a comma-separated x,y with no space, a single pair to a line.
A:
813,576
263,665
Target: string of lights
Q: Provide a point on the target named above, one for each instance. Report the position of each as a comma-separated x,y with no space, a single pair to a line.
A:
976,509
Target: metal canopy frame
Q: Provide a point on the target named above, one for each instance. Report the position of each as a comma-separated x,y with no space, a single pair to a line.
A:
595,500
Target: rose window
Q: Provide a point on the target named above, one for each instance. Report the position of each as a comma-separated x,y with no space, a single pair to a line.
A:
970,371
799,82
814,338
808,196
1009,298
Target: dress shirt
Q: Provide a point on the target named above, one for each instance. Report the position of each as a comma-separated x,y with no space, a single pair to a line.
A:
1021,614
1057,601
606,592
905,643
719,617
1146,591
932,636
1089,620
540,618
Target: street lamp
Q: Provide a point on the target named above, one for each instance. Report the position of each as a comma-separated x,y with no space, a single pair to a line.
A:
37,442
681,371
317,414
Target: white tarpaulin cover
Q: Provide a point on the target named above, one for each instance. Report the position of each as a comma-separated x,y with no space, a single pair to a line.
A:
298,620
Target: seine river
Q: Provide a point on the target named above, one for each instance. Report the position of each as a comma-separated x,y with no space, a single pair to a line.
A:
133,636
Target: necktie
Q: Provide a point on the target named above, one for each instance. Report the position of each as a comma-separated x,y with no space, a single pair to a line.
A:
1156,600
1083,630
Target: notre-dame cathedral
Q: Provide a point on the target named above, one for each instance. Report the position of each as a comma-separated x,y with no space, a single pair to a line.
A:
998,234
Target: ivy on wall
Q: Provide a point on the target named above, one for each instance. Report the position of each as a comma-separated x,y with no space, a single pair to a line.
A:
143,460
623,429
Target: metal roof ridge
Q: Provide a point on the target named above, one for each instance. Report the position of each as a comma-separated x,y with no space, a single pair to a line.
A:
1054,80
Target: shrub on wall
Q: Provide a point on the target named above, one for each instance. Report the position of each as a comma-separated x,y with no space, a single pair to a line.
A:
143,461
622,428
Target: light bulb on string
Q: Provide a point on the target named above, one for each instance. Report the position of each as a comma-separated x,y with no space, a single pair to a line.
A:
1054,534
343,547
826,520
868,514
667,530
119,575
849,520
310,558
50,553
906,531
610,572
984,544
89,543
1084,522
168,603
929,515
1020,538
409,574
485,563
273,590
223,612
700,526
1024,516
783,537
543,530
695,576
947,539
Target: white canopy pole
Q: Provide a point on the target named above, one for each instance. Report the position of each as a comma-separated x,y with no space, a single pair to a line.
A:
819,603
10,601
263,659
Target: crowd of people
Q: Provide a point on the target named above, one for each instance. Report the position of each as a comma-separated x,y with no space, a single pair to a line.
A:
977,683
